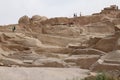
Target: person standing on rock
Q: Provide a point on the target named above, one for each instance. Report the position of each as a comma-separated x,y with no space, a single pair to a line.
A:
14,28
80,14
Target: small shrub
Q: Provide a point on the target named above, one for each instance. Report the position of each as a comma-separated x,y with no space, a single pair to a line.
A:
102,76
99,76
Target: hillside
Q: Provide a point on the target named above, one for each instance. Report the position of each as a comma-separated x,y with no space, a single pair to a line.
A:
86,42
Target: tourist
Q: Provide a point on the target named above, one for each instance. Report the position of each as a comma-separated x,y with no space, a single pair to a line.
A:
14,28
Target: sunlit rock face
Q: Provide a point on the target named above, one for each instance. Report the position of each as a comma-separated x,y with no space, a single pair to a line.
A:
87,42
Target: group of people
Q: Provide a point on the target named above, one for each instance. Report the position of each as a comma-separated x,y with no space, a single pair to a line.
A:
75,15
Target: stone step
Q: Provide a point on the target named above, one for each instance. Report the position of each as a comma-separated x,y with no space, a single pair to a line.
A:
112,61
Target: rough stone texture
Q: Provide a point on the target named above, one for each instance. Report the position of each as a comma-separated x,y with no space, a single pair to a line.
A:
82,61
50,62
110,62
106,44
100,28
87,52
63,42
118,15
106,67
62,30
112,56
24,20
116,21
37,18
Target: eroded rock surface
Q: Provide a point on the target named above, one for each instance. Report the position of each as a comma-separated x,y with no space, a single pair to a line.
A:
89,42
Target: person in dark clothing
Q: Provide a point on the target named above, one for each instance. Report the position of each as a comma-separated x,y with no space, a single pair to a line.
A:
14,28
74,15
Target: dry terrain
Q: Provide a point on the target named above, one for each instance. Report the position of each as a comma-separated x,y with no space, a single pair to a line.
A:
63,46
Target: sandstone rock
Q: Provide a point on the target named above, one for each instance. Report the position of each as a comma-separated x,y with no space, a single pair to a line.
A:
37,18
118,15
106,67
92,41
24,20
82,61
85,20
100,28
63,42
77,46
9,63
110,61
87,51
116,21
62,30
106,44
117,28
56,21
32,42
109,43
113,56
50,62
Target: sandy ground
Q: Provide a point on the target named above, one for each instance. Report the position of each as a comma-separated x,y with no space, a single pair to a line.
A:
16,73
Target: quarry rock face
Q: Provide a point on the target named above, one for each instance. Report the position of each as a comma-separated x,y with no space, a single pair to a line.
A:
109,62
106,44
118,15
88,42
62,30
100,28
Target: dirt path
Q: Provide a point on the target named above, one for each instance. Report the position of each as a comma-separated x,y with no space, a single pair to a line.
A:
7,73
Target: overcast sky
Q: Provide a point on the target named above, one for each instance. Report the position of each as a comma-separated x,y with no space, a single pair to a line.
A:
12,10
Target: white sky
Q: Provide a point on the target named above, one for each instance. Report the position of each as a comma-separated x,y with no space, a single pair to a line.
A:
12,10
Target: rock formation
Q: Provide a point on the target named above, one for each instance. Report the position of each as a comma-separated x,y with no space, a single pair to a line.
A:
24,20
88,42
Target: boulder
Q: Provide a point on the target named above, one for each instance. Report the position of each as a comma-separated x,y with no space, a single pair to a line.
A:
31,42
24,20
37,18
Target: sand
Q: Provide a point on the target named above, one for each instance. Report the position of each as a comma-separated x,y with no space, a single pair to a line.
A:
22,73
